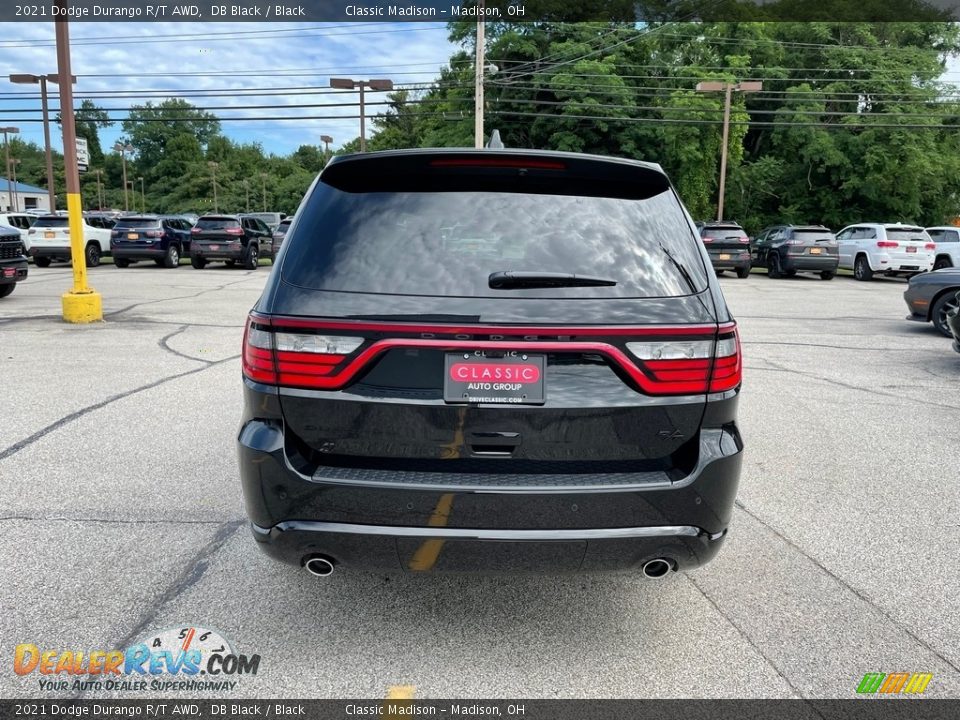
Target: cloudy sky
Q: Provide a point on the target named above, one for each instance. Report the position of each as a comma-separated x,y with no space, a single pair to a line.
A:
293,61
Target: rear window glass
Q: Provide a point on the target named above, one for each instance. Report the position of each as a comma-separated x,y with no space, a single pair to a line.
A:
811,234
722,232
137,222
51,222
909,234
448,243
216,223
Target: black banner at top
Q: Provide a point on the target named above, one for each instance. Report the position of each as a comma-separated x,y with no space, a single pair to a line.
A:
638,11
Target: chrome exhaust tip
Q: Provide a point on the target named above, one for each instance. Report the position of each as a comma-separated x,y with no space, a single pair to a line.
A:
318,565
656,568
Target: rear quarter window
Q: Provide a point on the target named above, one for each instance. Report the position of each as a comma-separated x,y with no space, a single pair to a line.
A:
448,243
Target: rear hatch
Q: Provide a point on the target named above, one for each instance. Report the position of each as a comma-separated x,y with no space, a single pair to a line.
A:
909,247
725,242
135,232
812,242
216,231
50,232
415,320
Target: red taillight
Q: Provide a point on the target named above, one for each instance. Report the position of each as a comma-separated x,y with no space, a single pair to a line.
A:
234,231
744,239
680,360
795,242
154,233
195,230
887,244
707,239
930,246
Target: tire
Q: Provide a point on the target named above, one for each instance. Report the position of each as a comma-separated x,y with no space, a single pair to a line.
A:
861,269
198,262
773,267
7,289
942,262
938,313
743,273
827,275
42,261
172,258
121,262
252,259
92,254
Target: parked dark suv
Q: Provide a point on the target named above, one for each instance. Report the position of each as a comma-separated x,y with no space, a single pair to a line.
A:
161,238
243,239
785,250
13,263
727,245
491,360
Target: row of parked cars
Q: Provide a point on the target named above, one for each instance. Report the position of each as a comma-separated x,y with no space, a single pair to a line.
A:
130,238
868,249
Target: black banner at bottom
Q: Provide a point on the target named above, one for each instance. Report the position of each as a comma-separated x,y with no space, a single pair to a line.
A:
873,708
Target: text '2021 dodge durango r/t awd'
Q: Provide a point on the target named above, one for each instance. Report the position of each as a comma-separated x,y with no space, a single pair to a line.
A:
491,360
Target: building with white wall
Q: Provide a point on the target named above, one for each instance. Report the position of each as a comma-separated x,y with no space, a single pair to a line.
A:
21,196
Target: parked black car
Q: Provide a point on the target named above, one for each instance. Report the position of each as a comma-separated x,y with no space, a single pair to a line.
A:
243,239
727,245
13,263
931,295
491,360
953,322
785,250
161,238
279,233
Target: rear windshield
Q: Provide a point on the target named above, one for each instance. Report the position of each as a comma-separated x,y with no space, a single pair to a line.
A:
722,232
51,222
216,223
137,222
281,229
812,234
908,234
448,243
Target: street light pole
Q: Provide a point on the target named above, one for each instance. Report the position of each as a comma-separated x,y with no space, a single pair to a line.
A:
99,190
379,85
123,150
143,196
81,304
216,201
478,93
728,90
16,191
6,149
326,140
263,179
246,190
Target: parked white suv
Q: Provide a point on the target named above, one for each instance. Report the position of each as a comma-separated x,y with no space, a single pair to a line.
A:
947,240
888,248
50,239
20,221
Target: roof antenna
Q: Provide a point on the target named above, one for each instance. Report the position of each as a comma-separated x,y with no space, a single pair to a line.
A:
495,142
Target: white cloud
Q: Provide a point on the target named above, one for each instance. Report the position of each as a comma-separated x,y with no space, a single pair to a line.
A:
107,58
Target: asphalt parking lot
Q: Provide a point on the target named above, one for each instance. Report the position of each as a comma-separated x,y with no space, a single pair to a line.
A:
122,516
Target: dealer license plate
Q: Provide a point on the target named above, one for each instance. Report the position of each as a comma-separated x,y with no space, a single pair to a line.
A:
512,378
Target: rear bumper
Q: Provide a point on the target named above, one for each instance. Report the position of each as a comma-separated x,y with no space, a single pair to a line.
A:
805,263
12,271
52,252
734,263
368,523
137,253
221,254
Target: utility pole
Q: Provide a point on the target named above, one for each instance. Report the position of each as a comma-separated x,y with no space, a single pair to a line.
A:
143,196
381,85
213,170
123,150
246,190
6,149
16,191
728,90
99,190
478,93
81,304
28,79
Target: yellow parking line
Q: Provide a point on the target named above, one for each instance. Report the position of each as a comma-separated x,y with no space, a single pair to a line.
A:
429,551
401,692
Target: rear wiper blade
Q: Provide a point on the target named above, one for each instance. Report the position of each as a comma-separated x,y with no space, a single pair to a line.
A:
512,279
681,268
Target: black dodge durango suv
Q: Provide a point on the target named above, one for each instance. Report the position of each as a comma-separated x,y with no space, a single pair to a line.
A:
491,361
